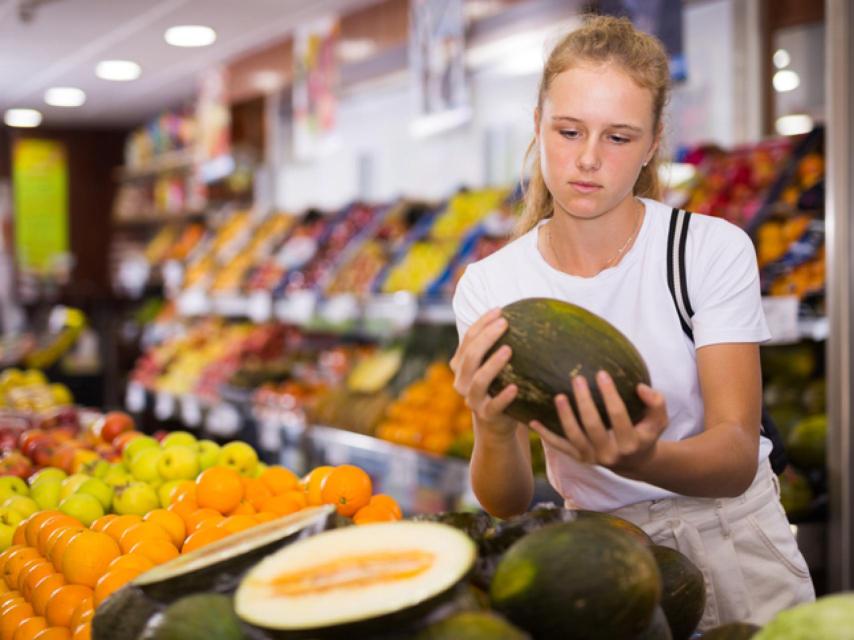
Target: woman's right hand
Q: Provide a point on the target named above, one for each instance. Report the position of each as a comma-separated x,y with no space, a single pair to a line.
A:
472,379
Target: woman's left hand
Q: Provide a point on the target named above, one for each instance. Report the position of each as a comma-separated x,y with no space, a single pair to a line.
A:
625,447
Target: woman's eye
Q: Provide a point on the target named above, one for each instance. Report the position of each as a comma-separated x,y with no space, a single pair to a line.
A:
619,139
569,133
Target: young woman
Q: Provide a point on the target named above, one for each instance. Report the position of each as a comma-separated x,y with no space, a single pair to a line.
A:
694,472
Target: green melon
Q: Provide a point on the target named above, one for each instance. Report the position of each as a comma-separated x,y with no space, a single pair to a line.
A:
472,625
553,340
683,591
123,615
579,580
196,617
732,631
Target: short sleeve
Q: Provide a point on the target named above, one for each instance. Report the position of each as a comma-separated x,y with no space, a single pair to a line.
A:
724,287
469,302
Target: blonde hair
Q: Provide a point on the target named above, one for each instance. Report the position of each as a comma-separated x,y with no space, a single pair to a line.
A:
601,40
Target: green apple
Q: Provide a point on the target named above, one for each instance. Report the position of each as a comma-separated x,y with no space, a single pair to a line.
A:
179,462
10,517
46,492
138,444
184,438
208,453
47,472
261,468
27,506
144,465
12,486
95,468
136,498
117,475
165,491
6,533
71,484
84,507
239,456
99,490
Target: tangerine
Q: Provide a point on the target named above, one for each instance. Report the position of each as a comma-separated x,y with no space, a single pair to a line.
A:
116,527
87,556
233,524
54,633
202,537
219,488
348,488
84,610
141,531
255,491
156,550
61,604
12,617
170,522
131,561
111,582
202,517
29,627
314,483
278,479
44,590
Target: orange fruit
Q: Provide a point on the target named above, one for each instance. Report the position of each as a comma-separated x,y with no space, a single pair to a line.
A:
63,601
299,496
56,633
12,617
31,525
33,572
170,522
156,550
43,590
9,595
82,632
388,503
184,492
58,542
15,562
101,523
111,582
183,510
279,479
348,488
8,604
314,483
202,537
19,538
265,516
370,514
4,555
255,491
201,517
219,488
281,505
131,561
87,556
29,627
116,527
84,608
49,526
233,524
243,509
141,531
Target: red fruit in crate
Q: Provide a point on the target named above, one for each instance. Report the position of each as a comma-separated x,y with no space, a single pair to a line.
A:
63,457
112,424
28,440
15,464
43,453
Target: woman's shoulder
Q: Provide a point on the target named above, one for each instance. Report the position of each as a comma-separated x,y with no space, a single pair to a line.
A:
713,233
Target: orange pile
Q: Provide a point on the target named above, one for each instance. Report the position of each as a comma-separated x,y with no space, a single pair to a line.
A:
429,415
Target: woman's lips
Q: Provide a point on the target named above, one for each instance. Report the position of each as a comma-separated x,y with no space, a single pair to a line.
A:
585,187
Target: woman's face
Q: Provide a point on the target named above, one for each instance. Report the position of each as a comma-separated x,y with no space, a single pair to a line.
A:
595,131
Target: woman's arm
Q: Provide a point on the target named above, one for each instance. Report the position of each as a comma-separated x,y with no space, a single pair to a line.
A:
501,475
721,461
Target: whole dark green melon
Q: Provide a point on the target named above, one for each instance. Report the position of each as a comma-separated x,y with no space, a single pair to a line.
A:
123,615
578,580
683,591
658,629
554,340
472,625
197,617
732,631
617,523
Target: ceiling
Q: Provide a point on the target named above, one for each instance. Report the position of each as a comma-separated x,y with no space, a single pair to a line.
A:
63,40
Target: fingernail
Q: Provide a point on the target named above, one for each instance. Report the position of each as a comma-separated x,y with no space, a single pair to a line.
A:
579,382
603,378
502,323
506,351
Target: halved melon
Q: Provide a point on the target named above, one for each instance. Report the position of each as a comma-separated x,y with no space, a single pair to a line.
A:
353,578
218,567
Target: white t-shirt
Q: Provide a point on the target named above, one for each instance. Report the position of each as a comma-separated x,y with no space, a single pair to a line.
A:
723,286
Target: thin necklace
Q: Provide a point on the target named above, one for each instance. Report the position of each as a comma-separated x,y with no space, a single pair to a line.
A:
615,258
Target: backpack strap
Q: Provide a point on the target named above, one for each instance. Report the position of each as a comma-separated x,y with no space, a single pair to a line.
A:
677,238
677,282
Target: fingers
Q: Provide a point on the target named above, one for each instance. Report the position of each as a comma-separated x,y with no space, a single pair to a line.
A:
473,351
656,419
473,331
555,441
491,408
589,414
484,376
618,415
574,433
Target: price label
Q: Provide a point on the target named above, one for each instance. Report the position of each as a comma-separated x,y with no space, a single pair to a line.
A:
340,309
259,306
191,411
298,308
223,420
194,302
398,311
781,314
164,405
135,397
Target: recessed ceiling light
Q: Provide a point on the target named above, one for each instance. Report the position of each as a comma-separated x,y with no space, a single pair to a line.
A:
786,80
794,124
22,117
64,97
190,35
781,58
118,70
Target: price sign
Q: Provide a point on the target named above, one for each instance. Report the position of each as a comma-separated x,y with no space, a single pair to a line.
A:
164,405
340,309
223,420
298,308
259,306
135,397
191,411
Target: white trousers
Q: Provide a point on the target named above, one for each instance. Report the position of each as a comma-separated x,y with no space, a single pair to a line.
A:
749,558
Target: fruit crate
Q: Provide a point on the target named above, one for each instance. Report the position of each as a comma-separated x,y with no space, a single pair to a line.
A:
420,482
